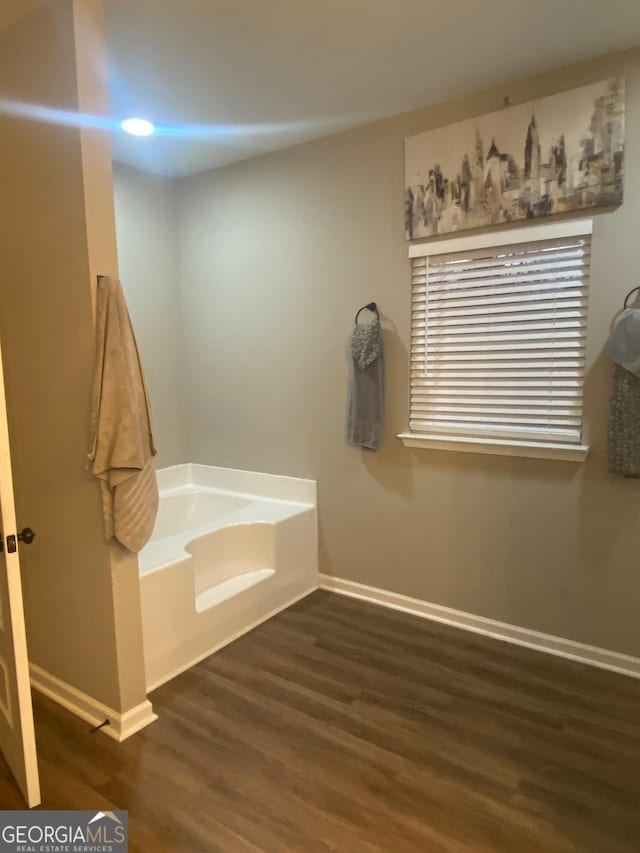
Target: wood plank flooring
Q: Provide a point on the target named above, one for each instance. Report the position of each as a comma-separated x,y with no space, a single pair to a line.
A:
342,726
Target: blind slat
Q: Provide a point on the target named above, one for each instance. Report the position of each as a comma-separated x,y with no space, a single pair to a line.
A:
530,248
531,420
492,347
552,287
502,322
568,405
440,339
523,374
502,274
573,298
525,391
520,433
575,356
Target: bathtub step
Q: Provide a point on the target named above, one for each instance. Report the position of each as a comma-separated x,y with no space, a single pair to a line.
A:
227,589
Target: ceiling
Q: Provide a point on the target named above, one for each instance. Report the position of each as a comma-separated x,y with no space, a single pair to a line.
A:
229,79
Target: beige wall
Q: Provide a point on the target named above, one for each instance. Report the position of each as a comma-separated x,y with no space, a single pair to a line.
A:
56,209
148,259
276,255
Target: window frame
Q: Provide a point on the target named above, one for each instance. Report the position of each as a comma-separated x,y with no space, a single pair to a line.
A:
569,451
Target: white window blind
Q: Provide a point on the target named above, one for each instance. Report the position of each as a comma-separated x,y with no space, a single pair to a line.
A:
498,340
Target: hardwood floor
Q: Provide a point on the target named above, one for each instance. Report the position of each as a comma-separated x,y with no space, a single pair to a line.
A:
342,726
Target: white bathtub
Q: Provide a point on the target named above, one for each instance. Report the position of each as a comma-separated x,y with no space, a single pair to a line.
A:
229,549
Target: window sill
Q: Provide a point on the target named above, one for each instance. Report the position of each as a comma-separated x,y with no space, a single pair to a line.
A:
497,446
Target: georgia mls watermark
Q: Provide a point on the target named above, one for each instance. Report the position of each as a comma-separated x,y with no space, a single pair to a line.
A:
63,832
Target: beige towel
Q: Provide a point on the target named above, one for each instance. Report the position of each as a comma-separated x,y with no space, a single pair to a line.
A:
122,448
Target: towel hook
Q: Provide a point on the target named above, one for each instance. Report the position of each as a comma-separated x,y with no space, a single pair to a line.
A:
631,292
371,306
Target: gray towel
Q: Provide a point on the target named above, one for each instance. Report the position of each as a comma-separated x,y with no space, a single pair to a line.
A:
365,409
624,424
624,344
624,407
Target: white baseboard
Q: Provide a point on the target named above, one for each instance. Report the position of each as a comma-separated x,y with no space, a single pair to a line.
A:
121,726
603,658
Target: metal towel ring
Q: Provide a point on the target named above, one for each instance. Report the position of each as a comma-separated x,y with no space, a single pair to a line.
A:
631,292
371,306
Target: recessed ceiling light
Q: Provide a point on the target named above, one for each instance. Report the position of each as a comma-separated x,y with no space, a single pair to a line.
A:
137,126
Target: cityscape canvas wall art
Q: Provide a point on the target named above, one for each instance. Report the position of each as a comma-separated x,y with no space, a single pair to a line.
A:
557,154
